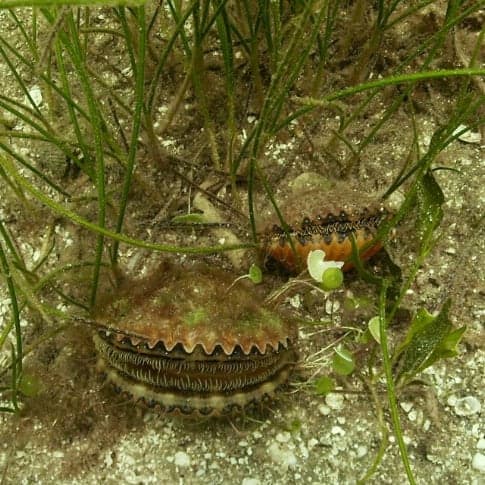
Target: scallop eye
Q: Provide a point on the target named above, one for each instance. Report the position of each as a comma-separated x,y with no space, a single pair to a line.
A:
306,222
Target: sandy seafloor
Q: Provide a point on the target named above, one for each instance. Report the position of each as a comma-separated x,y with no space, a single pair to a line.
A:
75,430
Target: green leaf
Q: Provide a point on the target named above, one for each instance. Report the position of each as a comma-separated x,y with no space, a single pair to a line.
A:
324,385
448,347
428,340
343,361
430,198
255,274
332,279
374,328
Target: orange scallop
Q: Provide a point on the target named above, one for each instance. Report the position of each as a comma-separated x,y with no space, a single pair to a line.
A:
331,234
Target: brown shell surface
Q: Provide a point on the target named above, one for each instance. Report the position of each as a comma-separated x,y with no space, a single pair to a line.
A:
194,306
189,341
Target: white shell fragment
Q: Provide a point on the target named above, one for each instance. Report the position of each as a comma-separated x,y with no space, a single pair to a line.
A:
466,406
478,462
36,95
469,136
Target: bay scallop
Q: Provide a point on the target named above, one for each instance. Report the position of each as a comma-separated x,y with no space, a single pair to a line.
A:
324,215
189,341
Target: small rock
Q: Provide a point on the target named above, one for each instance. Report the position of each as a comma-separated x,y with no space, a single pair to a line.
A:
283,437
467,406
481,444
324,410
182,459
337,430
361,451
407,406
412,416
451,401
331,306
295,301
282,455
334,400
478,462
312,443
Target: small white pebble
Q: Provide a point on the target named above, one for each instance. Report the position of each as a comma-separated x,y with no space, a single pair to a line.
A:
324,410
407,406
478,462
281,455
182,459
283,437
469,136
361,451
451,401
295,301
334,400
481,444
467,406
412,415
337,430
312,443
331,306
108,460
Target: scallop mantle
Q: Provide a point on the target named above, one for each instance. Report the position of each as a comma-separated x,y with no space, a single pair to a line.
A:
193,306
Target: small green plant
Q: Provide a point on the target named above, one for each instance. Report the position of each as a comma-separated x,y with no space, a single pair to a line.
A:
327,273
428,339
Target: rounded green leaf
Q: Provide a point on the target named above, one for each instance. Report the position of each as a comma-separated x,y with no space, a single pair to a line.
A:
374,328
332,279
324,385
255,274
343,361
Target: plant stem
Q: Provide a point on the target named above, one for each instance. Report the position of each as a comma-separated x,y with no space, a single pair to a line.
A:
383,324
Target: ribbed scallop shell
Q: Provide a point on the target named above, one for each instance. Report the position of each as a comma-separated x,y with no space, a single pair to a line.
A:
321,219
188,340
